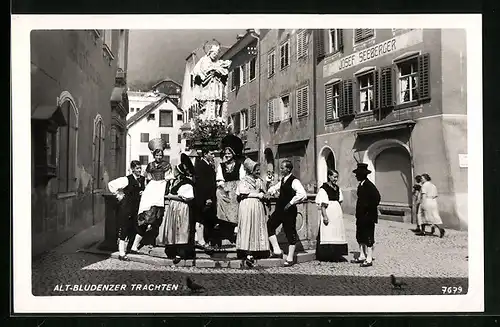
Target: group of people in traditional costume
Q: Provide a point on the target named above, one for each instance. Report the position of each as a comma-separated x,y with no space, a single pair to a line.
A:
197,206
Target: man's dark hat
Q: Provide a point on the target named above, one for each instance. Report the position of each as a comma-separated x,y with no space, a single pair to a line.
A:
362,169
233,142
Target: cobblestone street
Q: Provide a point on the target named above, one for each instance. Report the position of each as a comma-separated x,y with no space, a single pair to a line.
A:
426,264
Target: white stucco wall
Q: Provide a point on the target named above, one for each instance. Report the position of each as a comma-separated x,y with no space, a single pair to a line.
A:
138,100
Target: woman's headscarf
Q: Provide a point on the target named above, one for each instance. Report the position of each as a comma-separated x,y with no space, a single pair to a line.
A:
250,165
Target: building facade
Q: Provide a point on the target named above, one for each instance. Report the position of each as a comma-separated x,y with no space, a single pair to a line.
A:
396,100
159,119
243,91
78,109
171,88
138,100
287,102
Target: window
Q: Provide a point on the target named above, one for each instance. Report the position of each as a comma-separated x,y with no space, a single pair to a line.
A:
366,89
332,101
67,148
166,138
179,138
303,101
191,80
272,113
252,69
237,123
335,40
179,117
271,63
98,152
284,107
253,115
408,81
244,119
235,81
144,137
166,118
285,55
243,74
143,160
151,117
361,34
302,49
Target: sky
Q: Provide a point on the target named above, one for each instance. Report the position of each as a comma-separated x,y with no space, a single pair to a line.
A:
158,54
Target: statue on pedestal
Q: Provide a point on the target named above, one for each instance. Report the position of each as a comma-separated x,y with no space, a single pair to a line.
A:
210,79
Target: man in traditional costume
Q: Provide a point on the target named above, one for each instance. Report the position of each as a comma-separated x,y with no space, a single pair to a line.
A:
366,215
128,190
205,197
291,192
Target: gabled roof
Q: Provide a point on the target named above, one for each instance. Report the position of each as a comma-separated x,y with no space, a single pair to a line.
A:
150,107
166,80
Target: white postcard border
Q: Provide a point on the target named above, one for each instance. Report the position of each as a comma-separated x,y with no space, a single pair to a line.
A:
25,302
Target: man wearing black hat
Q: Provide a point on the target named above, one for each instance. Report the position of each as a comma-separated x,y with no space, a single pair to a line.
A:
366,215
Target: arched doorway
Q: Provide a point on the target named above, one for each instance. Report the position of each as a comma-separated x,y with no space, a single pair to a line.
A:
393,176
326,161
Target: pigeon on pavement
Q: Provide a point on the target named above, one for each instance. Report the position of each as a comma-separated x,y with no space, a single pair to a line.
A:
193,286
397,283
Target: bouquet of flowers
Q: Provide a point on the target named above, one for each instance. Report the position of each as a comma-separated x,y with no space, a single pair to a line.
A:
207,133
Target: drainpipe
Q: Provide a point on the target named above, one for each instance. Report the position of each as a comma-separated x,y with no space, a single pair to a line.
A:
257,37
315,138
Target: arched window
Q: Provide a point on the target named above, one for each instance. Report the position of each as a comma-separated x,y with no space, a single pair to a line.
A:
98,152
67,150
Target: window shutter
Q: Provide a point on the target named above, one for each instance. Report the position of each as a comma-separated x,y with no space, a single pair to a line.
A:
253,115
347,107
424,91
340,39
270,112
376,90
358,34
329,102
305,101
386,96
320,43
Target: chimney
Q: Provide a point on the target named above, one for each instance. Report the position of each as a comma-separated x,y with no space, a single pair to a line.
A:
239,37
250,30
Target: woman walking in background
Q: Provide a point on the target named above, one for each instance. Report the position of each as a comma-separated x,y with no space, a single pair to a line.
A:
252,240
331,243
417,214
180,222
429,205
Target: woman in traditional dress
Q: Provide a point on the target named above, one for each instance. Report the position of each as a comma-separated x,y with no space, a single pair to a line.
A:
229,173
180,223
152,205
331,243
429,205
252,241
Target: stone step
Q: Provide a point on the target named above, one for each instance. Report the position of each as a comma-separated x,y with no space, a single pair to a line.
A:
156,256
